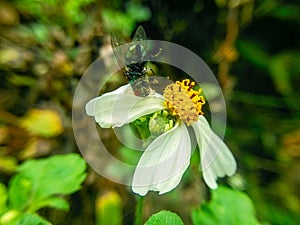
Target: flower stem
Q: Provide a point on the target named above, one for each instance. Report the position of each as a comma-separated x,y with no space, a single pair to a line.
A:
139,211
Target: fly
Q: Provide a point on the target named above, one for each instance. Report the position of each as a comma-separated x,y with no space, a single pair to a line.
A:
133,61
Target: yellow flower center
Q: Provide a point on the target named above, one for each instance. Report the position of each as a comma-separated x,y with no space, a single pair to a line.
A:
183,101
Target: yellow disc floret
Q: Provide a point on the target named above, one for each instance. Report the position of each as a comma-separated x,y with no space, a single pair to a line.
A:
183,101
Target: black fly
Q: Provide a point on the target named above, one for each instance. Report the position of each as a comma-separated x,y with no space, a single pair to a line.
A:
133,61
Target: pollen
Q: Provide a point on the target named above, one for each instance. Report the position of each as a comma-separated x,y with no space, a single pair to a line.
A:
185,102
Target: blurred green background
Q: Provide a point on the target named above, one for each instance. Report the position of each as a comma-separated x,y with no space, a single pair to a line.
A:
251,46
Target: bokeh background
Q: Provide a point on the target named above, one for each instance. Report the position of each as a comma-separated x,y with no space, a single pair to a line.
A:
252,46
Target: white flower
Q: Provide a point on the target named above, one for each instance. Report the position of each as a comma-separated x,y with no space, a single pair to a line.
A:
165,160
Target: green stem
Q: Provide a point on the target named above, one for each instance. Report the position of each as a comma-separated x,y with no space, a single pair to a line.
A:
139,211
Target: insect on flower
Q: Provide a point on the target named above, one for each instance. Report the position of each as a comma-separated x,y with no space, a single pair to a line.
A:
133,61
167,157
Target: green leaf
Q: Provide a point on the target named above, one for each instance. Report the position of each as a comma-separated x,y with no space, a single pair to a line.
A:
284,71
265,6
3,198
253,53
53,202
164,218
10,217
140,127
279,71
227,207
286,12
39,181
14,217
31,219
19,191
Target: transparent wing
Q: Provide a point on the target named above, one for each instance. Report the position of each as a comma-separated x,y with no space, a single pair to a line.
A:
141,50
119,52
140,34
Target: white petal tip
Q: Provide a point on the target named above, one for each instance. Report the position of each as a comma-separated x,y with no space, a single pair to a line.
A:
139,192
90,107
211,184
214,187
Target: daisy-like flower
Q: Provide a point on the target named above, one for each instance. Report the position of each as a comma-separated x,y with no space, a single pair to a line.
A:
167,157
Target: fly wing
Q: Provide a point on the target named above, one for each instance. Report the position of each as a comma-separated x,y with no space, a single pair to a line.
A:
119,52
140,34
142,47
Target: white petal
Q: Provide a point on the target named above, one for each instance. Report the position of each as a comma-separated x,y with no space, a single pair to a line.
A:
91,108
117,108
125,89
163,163
216,158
